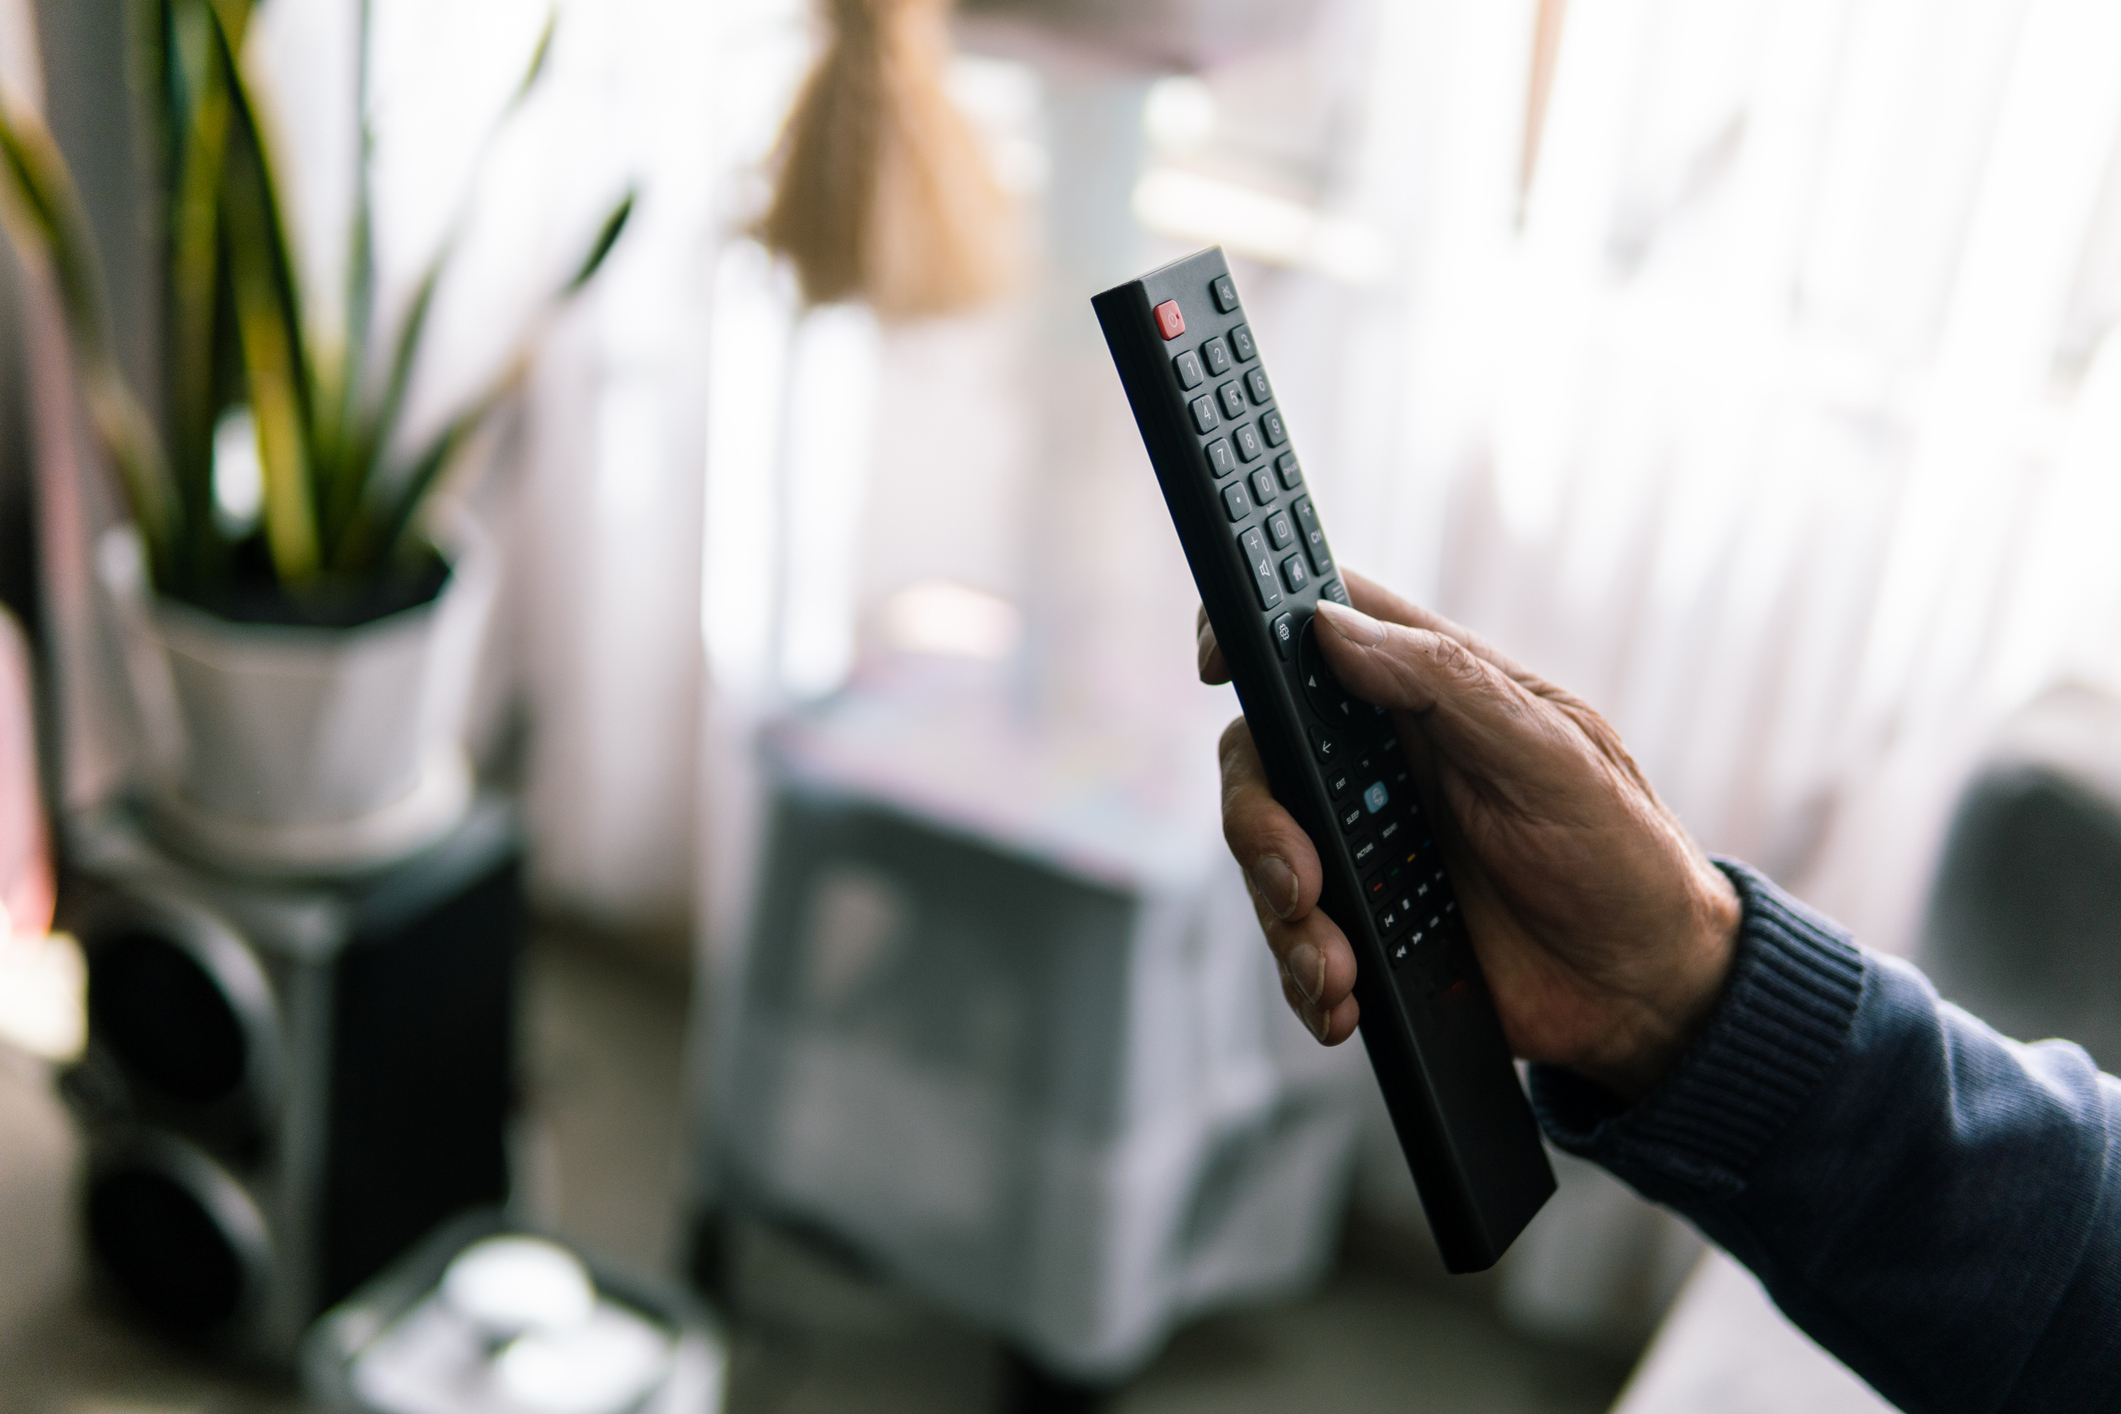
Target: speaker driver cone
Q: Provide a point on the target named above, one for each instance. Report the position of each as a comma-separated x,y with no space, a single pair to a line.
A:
176,1235
184,1007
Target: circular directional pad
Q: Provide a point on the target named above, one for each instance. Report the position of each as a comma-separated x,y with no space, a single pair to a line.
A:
1329,700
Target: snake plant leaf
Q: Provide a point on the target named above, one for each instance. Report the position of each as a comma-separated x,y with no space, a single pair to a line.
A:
269,330
195,275
391,518
370,441
368,436
607,236
47,222
399,524
536,68
361,251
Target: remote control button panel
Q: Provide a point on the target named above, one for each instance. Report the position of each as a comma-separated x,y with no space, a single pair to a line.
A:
1233,414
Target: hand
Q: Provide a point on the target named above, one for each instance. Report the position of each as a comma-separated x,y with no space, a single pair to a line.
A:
1604,932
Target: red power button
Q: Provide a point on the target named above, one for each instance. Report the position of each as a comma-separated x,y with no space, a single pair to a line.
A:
1169,322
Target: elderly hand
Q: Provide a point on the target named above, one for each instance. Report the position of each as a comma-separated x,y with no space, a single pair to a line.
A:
1604,932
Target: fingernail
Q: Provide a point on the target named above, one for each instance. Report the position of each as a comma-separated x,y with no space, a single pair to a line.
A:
1351,624
1276,883
1319,1023
1307,969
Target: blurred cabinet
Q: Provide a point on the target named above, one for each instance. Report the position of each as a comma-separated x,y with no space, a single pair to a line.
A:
1006,1030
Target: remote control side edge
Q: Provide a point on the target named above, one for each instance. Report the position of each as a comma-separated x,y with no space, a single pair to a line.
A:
1472,1229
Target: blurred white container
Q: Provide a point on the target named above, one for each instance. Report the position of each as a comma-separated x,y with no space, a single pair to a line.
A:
278,749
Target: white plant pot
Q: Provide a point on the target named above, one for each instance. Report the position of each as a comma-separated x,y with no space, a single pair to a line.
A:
283,750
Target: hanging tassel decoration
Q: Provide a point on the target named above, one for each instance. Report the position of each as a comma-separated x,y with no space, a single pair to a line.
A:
884,194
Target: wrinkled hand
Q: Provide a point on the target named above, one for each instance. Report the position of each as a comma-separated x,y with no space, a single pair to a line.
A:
1604,932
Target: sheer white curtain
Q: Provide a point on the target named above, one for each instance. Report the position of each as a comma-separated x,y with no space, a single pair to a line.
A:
1772,407
1776,414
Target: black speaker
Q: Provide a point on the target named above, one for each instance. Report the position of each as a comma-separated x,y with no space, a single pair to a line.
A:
286,1086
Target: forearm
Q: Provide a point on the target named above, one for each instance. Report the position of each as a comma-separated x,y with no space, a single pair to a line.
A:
1939,1207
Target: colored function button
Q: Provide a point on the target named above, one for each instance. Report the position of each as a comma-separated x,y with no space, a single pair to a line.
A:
1270,423
1262,563
1248,443
1280,531
1204,418
1225,293
1215,356
1262,486
1374,797
1189,370
1233,400
1169,322
1292,574
1221,460
1256,386
1240,340
1235,502
1284,632
1291,474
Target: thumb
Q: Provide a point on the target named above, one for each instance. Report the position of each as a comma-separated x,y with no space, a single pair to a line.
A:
1472,711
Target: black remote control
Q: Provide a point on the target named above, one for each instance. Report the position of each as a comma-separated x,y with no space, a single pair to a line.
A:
1252,534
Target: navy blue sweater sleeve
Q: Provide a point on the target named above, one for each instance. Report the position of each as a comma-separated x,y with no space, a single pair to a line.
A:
1936,1205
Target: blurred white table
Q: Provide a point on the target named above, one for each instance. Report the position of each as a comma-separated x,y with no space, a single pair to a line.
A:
1725,1347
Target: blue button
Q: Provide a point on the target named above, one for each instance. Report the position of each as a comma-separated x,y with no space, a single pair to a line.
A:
1375,797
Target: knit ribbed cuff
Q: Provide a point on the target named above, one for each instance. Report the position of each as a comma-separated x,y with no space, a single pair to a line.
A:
1772,1039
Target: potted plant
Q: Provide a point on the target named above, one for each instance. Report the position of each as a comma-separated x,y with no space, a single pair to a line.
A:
302,672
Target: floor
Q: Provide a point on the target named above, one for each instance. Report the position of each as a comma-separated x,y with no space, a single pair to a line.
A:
605,1040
